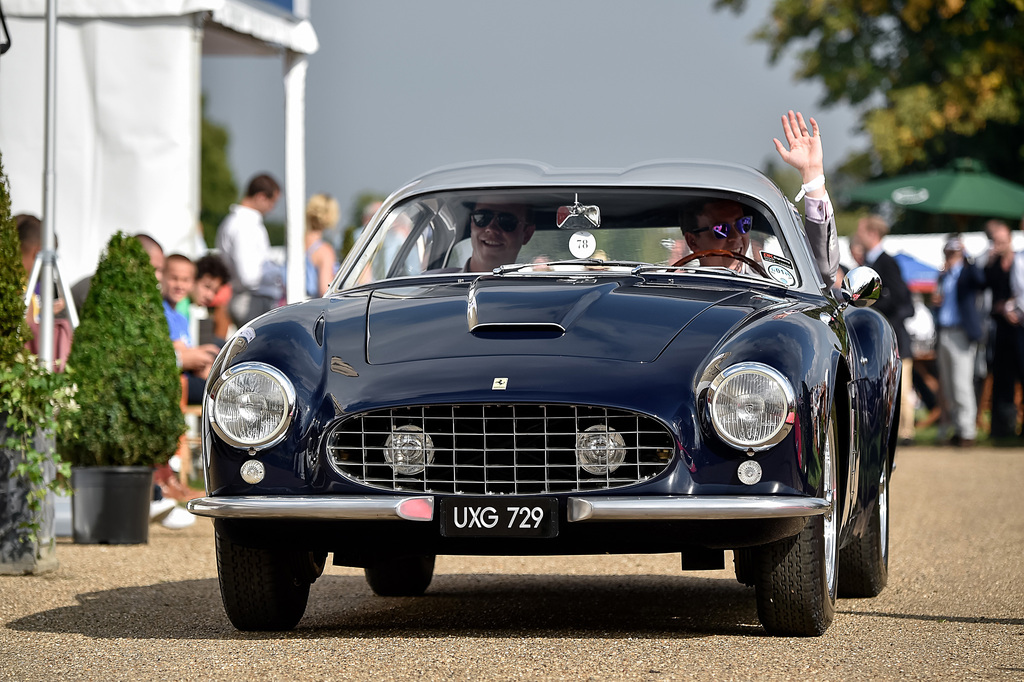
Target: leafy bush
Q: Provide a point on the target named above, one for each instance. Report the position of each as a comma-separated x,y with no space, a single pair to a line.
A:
35,404
13,330
129,386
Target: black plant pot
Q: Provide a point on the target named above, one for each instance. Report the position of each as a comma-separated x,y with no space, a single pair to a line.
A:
110,505
19,555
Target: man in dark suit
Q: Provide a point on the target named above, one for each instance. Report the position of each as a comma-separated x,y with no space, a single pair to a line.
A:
959,330
896,305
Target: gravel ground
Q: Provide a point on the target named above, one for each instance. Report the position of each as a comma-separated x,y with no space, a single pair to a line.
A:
954,608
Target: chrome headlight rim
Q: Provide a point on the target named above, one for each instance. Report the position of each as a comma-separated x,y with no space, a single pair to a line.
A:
784,427
275,436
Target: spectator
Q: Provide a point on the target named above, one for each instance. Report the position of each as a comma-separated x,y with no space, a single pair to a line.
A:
959,330
257,281
321,261
212,275
1005,355
195,362
30,238
895,304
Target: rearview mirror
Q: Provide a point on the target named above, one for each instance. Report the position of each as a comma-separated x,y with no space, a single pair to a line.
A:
578,217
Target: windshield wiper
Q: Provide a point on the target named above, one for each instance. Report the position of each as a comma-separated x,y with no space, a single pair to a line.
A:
501,270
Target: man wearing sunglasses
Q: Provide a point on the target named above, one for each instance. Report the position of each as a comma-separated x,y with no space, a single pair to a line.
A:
723,224
497,233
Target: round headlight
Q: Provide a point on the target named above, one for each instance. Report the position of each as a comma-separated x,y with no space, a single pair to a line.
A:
251,405
408,450
600,450
751,405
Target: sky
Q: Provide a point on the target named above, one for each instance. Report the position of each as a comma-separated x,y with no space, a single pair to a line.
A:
399,87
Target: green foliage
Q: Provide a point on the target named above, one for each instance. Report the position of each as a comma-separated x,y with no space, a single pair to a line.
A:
33,400
949,74
13,330
129,383
36,402
218,189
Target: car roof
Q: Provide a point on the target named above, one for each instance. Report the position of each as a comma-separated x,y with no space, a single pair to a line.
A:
689,173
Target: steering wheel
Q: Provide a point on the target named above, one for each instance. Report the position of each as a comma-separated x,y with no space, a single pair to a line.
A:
757,267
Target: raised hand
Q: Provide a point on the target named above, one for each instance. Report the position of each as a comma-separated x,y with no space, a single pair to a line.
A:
804,153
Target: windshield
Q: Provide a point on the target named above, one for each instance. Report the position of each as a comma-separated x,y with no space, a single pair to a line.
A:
572,230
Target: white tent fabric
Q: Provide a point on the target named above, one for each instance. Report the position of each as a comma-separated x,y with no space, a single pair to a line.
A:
127,116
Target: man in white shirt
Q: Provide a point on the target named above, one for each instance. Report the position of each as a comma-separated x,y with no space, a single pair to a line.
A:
256,280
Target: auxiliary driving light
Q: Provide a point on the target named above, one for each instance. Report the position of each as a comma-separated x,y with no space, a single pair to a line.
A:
749,472
253,471
408,450
600,450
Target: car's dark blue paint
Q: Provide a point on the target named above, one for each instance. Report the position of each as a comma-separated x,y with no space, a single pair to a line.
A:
435,358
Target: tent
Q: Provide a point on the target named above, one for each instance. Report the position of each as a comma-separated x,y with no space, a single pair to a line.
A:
127,119
919,276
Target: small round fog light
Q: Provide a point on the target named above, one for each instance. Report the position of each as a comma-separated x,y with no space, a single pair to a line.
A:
749,472
253,471
600,450
408,450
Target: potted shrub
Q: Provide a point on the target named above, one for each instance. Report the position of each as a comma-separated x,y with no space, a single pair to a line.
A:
129,417
34,405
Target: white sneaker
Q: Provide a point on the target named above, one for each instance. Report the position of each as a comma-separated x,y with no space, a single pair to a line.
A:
158,509
177,519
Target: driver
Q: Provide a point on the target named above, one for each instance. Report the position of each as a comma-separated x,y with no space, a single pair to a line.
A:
723,224
497,232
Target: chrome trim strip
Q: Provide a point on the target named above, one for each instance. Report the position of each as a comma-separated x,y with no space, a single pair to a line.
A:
696,508
367,508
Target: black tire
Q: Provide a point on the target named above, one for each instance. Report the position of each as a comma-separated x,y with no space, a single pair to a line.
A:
745,562
407,576
797,581
265,589
864,562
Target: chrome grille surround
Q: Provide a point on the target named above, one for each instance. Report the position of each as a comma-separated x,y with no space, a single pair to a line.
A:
498,449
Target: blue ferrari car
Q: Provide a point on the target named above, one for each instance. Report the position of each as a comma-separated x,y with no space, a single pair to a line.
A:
522,360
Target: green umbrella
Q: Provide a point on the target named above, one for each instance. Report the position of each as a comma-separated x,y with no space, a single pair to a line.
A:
964,189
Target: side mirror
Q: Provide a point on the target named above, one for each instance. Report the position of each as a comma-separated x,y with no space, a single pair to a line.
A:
862,286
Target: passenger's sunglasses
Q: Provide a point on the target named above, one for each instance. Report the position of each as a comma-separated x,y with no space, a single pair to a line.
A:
508,222
721,230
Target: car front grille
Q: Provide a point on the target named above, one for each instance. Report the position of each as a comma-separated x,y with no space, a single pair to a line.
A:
498,449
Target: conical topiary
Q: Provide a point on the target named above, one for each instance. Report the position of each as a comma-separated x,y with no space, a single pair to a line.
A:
13,330
123,363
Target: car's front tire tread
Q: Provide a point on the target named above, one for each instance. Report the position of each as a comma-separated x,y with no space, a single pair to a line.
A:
262,590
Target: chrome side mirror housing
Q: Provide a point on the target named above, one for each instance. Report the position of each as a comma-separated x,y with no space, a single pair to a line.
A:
862,286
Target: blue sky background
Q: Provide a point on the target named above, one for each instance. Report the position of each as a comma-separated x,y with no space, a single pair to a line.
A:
402,86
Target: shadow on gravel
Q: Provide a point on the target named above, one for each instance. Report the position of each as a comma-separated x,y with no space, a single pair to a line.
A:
981,620
467,605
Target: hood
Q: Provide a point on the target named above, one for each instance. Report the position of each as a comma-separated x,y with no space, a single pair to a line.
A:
624,318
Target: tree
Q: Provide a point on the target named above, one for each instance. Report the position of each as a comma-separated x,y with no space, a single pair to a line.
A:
218,189
933,79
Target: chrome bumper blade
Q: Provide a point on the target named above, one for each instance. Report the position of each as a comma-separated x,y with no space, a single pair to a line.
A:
366,508
695,508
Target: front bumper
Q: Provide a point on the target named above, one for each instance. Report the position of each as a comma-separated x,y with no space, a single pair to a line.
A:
421,508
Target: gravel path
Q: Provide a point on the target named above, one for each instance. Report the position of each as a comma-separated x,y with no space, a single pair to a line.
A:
954,608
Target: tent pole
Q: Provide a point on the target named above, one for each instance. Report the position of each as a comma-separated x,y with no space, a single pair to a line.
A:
48,253
295,65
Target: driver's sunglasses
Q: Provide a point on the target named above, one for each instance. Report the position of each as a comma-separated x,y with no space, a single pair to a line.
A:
508,222
721,230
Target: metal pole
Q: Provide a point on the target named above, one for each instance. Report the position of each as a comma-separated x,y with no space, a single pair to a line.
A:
48,254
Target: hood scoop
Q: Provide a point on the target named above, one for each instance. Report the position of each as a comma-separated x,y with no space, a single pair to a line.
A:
538,308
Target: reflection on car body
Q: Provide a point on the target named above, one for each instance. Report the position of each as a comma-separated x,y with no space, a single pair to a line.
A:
558,402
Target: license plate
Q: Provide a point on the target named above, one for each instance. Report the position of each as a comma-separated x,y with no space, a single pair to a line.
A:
518,517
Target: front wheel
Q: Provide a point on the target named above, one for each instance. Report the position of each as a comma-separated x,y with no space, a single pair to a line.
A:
797,577
407,576
265,589
864,562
